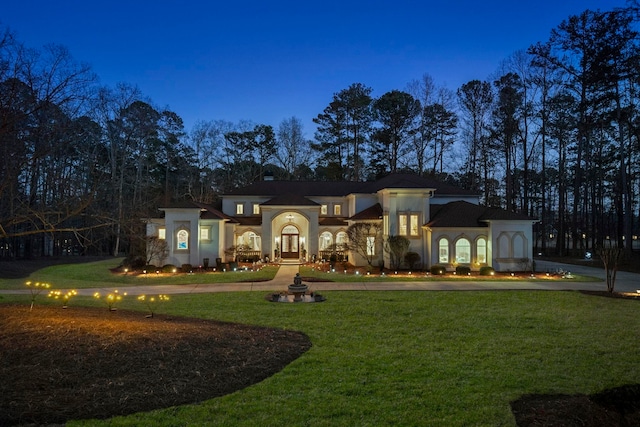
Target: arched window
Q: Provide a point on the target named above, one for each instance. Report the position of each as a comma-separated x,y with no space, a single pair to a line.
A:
251,239
443,250
481,250
463,251
326,240
341,239
182,240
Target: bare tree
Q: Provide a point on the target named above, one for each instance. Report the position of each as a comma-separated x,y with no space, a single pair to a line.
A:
611,257
293,150
363,239
157,249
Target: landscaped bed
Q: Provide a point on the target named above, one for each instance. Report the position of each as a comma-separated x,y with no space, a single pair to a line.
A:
59,365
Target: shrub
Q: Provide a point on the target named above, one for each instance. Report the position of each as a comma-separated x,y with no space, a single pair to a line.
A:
168,268
463,270
486,271
438,270
187,268
134,262
412,258
333,258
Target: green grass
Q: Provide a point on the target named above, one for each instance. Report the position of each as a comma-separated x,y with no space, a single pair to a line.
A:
421,276
413,358
99,275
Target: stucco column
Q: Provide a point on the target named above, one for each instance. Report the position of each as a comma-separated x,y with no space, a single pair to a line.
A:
393,214
313,236
267,232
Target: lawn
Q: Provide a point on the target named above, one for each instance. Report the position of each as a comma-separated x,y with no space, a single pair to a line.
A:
102,274
412,358
351,274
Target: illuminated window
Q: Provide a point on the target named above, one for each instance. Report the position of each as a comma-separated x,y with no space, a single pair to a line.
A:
205,233
414,225
463,251
402,225
256,209
443,250
182,240
323,210
326,240
251,240
337,209
481,249
162,233
371,245
341,239
239,209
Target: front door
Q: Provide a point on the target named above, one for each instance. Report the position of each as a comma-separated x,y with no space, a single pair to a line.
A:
290,242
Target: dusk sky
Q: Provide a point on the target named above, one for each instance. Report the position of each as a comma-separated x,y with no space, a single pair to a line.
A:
267,61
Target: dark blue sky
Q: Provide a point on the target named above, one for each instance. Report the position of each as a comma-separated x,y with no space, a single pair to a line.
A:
266,61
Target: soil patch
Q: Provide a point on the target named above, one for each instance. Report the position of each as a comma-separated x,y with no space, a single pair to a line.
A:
80,363
614,407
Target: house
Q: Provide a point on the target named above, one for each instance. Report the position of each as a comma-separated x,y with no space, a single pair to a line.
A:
295,220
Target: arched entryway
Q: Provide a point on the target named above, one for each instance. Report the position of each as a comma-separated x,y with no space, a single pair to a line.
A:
290,239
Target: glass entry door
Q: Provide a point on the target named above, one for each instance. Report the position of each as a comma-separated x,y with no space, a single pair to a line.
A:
290,238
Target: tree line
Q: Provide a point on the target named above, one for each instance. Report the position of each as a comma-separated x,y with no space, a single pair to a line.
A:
553,134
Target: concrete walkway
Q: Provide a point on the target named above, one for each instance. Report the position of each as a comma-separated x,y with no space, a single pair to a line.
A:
625,282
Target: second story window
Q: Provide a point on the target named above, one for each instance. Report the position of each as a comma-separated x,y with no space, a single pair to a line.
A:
256,209
408,225
323,209
414,230
239,209
162,233
337,210
402,225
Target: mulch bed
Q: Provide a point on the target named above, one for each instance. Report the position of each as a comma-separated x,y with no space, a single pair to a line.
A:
612,408
80,363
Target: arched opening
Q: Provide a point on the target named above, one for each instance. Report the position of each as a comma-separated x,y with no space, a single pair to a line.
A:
443,250
290,239
481,250
463,251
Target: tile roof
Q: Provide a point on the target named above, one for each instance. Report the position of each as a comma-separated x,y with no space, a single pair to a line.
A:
290,199
248,220
344,188
465,214
372,212
327,221
206,211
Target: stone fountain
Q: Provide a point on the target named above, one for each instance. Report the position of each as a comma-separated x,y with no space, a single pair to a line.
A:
298,289
296,292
